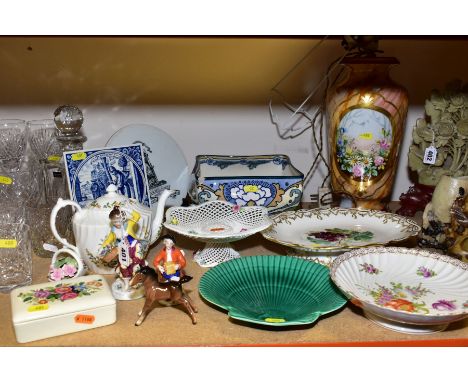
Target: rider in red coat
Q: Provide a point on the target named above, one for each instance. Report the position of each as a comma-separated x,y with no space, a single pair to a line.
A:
170,260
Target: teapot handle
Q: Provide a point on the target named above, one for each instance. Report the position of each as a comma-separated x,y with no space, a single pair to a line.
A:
76,256
53,217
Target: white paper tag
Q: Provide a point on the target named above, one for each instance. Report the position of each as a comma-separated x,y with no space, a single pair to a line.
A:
430,155
49,247
124,258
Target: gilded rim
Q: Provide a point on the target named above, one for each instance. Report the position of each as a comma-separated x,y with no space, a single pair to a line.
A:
402,252
409,226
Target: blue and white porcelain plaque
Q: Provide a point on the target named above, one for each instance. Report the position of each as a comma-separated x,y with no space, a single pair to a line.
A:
90,172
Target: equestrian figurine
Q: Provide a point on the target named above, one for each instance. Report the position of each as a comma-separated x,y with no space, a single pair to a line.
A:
170,261
156,291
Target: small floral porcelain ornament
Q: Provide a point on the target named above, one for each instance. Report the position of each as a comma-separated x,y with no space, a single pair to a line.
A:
65,264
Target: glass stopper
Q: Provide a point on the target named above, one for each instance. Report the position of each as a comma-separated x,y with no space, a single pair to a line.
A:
68,119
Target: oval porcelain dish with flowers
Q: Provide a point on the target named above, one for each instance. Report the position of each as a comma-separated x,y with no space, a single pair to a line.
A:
402,288
333,230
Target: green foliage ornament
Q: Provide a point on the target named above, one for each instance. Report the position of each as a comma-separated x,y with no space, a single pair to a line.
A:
445,126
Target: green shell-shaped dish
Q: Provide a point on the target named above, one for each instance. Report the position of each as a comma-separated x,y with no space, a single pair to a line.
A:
272,290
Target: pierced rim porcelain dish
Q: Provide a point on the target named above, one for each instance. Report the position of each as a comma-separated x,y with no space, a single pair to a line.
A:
408,290
217,223
334,230
272,290
166,166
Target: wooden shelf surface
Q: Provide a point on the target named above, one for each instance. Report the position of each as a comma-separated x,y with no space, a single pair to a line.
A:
170,326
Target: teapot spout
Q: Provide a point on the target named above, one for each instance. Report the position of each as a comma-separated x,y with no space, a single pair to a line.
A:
156,226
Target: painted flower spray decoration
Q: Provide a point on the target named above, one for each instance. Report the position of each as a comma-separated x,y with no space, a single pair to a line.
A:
64,268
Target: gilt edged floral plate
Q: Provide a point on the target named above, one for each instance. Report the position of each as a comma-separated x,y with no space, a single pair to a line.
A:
334,230
272,290
408,290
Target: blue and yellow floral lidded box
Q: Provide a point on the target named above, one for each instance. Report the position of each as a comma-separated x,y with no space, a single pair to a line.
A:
55,308
269,181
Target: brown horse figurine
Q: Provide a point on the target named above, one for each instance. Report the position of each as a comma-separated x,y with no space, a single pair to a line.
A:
157,291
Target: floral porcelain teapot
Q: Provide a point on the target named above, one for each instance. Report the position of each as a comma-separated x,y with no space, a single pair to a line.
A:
93,227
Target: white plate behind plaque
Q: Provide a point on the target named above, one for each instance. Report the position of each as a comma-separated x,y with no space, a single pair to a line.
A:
167,167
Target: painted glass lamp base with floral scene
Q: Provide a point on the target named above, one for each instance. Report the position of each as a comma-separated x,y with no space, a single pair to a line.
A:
366,114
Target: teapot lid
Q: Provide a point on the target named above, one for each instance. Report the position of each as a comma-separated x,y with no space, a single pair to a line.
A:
113,198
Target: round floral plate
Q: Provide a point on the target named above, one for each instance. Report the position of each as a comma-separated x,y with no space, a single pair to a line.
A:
408,290
272,290
334,230
217,221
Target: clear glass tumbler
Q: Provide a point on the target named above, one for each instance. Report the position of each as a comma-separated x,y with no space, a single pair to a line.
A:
13,214
15,256
13,142
43,140
44,243
55,182
22,187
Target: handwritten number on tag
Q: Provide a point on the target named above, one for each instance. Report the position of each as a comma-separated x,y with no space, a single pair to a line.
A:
430,155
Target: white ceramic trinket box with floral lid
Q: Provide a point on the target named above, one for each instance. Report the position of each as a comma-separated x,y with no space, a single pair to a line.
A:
55,308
